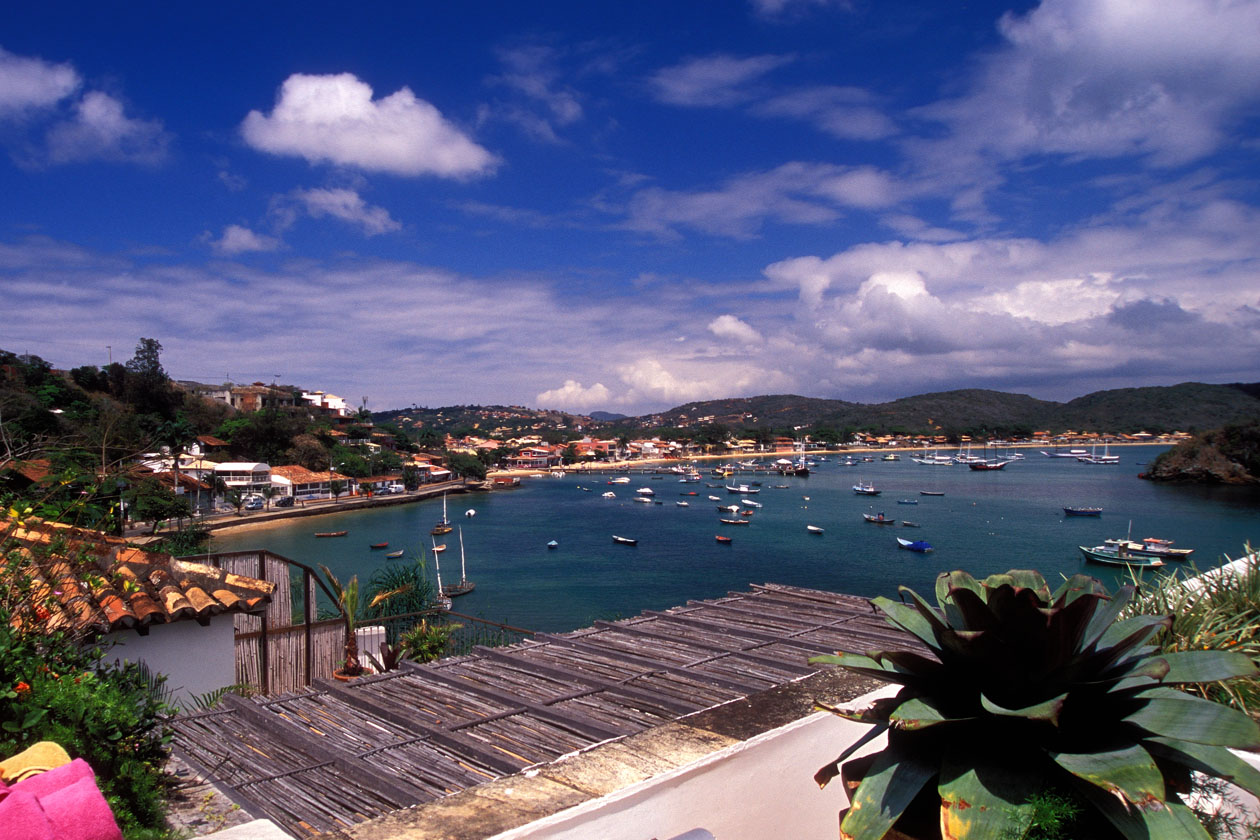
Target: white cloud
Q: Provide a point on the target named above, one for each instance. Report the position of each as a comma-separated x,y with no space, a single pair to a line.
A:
730,327
843,112
31,83
348,206
530,72
573,397
1106,78
99,130
240,240
333,119
777,8
715,81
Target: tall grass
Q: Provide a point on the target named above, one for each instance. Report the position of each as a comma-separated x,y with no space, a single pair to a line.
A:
1219,612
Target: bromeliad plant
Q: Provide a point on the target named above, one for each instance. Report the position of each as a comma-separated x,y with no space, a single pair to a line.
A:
1034,691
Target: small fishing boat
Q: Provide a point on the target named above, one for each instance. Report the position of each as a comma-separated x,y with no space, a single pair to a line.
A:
743,489
621,479
907,501
331,533
723,540
465,585
715,499
645,491
624,540
609,495
647,500
442,601
682,504
1082,511
813,529
906,523
931,492
394,555
920,546
747,512
377,546
553,544
982,466
444,524
865,488
733,521
470,513
750,503
878,518
728,508
1151,547
1118,556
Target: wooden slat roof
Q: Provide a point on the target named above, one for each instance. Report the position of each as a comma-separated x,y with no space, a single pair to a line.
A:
342,753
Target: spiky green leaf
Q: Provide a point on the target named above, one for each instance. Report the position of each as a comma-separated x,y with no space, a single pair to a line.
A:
1208,759
947,582
1046,711
1129,773
1200,666
893,781
828,772
911,620
918,713
1175,714
1076,586
1170,820
876,712
1022,579
981,802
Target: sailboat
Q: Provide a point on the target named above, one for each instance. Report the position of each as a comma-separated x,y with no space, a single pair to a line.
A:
442,601
444,525
465,585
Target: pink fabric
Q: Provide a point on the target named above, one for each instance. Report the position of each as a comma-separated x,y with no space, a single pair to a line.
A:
62,804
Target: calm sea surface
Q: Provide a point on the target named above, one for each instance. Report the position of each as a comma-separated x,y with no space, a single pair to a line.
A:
986,522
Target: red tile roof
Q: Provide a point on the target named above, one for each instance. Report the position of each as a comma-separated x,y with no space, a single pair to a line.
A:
86,581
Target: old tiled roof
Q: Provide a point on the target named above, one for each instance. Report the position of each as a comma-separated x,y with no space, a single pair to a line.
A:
301,475
33,471
86,581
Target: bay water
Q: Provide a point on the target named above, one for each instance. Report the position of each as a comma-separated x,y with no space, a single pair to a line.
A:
986,522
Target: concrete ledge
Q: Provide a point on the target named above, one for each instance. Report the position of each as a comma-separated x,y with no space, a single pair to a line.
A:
254,830
575,783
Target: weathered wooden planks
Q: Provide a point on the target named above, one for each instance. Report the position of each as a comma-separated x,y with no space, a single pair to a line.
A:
339,753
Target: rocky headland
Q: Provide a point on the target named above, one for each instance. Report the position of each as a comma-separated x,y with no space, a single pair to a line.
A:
1230,455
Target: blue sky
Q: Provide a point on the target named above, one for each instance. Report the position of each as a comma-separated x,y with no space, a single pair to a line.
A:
624,207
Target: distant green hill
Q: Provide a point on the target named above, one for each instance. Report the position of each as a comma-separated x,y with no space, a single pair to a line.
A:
1189,406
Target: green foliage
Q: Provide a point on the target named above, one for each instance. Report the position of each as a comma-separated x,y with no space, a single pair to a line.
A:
1221,613
425,642
52,688
151,501
1032,690
398,589
463,464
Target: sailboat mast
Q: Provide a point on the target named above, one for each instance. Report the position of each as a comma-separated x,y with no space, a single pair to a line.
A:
437,567
463,575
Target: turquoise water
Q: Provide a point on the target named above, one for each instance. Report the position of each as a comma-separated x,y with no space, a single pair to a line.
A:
987,522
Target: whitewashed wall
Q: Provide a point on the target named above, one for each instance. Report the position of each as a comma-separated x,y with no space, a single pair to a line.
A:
195,659
761,789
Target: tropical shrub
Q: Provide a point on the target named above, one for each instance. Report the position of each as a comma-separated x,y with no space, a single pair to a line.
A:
1221,611
1033,691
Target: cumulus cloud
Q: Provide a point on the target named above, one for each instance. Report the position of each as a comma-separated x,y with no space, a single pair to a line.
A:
713,81
1105,78
334,119
31,83
241,240
730,327
348,206
99,130
573,397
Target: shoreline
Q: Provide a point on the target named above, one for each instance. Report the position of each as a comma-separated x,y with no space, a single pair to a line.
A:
611,466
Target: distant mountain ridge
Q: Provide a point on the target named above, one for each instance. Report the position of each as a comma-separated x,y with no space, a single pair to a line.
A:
1189,406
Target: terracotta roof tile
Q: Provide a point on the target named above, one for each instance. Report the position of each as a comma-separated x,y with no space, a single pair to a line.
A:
86,581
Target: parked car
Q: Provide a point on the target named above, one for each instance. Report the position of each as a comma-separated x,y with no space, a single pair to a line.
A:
284,501
253,503
397,488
